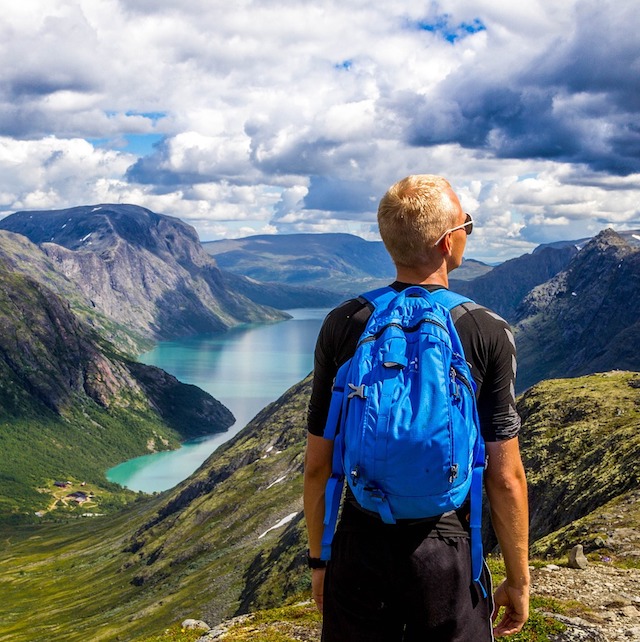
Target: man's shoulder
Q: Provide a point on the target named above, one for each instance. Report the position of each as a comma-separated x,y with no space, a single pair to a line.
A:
471,311
344,316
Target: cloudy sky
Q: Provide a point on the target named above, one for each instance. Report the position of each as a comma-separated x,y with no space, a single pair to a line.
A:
259,116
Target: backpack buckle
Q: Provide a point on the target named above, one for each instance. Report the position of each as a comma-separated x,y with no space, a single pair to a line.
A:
356,391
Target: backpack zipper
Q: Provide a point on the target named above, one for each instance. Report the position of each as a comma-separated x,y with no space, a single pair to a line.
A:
464,380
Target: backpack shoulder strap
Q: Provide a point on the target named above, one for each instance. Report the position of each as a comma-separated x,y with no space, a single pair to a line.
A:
449,299
379,297
382,296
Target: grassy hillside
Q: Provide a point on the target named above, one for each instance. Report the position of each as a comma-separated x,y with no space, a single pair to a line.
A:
210,548
71,406
230,539
580,443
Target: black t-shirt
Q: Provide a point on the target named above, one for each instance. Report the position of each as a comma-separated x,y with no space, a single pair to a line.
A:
489,348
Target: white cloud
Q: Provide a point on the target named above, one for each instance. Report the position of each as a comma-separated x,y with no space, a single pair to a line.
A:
298,116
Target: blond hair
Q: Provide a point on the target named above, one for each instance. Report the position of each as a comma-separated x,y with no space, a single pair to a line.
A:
413,214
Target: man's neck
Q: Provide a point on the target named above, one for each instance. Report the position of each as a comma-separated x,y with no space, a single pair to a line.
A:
418,276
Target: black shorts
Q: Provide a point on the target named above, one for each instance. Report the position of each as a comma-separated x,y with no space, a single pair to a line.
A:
404,588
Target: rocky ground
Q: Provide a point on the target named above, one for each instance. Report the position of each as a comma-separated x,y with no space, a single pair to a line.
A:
603,601
600,603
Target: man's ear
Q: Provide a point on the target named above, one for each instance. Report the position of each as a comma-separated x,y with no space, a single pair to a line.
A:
446,245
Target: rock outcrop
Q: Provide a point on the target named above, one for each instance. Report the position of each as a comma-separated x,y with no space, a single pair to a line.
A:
587,318
504,288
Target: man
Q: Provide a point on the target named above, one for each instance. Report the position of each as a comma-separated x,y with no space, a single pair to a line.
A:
412,580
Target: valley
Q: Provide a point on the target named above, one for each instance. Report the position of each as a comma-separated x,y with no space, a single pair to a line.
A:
229,539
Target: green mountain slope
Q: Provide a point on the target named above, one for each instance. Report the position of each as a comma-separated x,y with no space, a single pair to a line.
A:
71,406
196,549
580,441
231,537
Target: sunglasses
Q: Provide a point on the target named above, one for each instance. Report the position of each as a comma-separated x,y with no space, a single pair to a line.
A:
467,226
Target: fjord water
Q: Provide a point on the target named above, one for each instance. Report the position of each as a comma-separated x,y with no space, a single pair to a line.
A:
246,369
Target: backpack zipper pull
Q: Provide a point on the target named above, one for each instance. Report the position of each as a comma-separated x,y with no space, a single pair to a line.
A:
455,388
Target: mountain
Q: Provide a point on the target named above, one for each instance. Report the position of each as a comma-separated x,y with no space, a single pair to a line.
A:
349,265
587,318
139,269
71,406
322,260
22,256
503,288
340,263
231,537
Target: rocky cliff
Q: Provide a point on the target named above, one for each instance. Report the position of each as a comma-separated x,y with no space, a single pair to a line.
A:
140,269
504,288
587,318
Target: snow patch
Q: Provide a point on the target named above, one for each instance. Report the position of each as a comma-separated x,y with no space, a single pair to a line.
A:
280,524
277,481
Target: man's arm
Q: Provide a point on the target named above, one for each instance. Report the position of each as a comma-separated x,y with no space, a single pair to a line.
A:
317,470
506,487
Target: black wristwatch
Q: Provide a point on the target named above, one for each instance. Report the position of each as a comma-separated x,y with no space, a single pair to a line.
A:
315,562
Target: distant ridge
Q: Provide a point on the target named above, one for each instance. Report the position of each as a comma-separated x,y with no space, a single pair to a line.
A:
342,263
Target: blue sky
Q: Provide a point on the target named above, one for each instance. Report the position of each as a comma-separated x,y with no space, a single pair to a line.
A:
254,117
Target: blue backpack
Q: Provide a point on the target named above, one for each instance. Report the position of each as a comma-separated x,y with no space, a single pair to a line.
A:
403,417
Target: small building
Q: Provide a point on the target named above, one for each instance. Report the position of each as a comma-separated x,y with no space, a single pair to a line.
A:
78,496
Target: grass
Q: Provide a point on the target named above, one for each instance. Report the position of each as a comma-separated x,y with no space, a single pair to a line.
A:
289,623
193,552
80,447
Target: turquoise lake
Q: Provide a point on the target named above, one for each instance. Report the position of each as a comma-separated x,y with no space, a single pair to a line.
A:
245,368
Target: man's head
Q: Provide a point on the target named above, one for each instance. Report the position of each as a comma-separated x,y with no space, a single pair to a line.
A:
414,214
